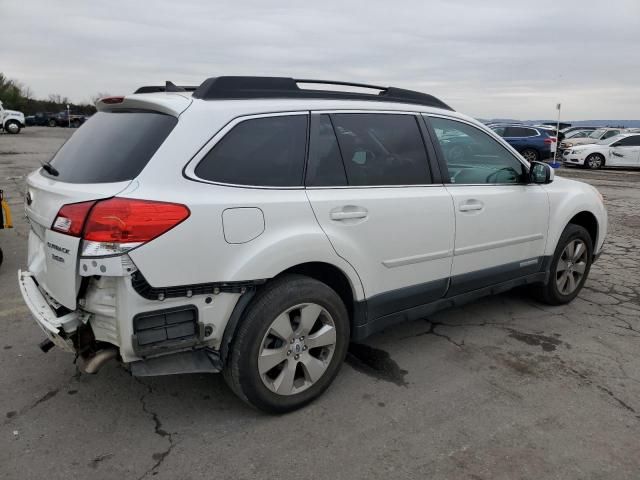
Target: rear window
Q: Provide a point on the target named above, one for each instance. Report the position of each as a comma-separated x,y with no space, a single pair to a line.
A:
111,147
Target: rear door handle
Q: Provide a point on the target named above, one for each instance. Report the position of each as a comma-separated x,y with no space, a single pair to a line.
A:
347,213
470,206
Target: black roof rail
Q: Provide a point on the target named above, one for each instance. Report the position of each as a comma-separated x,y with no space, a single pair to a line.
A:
168,87
235,88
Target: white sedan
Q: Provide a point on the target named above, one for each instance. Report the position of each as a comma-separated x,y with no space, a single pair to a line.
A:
619,151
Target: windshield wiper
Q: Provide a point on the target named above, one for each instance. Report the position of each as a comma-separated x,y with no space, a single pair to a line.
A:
50,169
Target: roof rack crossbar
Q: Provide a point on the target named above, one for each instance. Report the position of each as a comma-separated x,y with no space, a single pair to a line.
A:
236,88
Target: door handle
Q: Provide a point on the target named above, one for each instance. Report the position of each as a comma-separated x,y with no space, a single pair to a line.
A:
348,213
470,206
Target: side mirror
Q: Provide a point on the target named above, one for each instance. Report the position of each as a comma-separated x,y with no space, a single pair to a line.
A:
541,173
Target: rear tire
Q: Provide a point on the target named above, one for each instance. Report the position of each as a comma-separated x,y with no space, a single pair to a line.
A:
594,161
52,123
569,267
302,325
75,123
530,155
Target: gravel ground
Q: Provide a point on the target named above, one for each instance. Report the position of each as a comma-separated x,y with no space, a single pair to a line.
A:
503,388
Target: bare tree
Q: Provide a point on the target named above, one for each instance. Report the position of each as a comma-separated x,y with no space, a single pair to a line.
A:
57,98
26,92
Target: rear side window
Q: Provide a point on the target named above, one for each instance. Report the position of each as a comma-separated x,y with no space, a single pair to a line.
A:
381,149
267,151
520,132
325,168
111,147
633,141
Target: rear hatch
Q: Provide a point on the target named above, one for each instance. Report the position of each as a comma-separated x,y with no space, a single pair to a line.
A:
99,161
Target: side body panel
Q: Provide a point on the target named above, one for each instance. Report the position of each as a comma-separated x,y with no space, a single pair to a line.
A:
405,239
508,225
624,156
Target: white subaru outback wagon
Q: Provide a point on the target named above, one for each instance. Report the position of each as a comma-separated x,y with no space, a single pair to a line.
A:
255,226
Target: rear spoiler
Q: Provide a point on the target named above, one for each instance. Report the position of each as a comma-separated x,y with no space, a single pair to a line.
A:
168,87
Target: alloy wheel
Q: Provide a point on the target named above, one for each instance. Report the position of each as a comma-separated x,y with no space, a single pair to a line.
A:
571,266
594,161
297,349
530,156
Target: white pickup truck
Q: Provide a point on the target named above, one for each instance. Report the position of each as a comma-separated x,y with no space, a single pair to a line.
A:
11,121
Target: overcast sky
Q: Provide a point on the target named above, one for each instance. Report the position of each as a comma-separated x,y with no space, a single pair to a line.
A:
487,58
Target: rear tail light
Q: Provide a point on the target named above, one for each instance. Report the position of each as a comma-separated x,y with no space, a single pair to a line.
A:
550,140
71,217
115,226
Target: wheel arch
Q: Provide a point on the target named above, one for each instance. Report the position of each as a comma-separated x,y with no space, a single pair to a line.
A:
330,275
589,222
324,272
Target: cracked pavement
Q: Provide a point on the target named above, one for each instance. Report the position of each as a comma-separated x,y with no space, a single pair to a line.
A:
503,388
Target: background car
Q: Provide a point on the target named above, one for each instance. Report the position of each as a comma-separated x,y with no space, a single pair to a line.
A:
533,143
11,121
578,134
595,136
40,119
568,130
620,151
63,119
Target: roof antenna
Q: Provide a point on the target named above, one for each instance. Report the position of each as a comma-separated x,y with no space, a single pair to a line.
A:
172,87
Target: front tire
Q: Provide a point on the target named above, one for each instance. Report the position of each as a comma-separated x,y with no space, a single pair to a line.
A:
594,161
53,123
289,346
569,267
12,127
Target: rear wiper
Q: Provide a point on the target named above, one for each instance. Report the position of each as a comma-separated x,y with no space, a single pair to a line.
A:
50,169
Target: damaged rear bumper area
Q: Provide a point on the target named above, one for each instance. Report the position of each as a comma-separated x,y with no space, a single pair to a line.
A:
156,341
62,327
57,328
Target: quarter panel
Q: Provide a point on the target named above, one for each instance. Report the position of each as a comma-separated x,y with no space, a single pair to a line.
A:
196,251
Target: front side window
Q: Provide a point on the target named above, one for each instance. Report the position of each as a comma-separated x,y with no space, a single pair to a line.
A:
473,157
381,149
267,151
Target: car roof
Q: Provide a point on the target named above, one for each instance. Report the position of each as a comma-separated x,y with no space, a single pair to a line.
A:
175,103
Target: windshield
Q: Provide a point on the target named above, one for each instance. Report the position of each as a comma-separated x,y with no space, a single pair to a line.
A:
609,141
597,133
111,147
576,134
